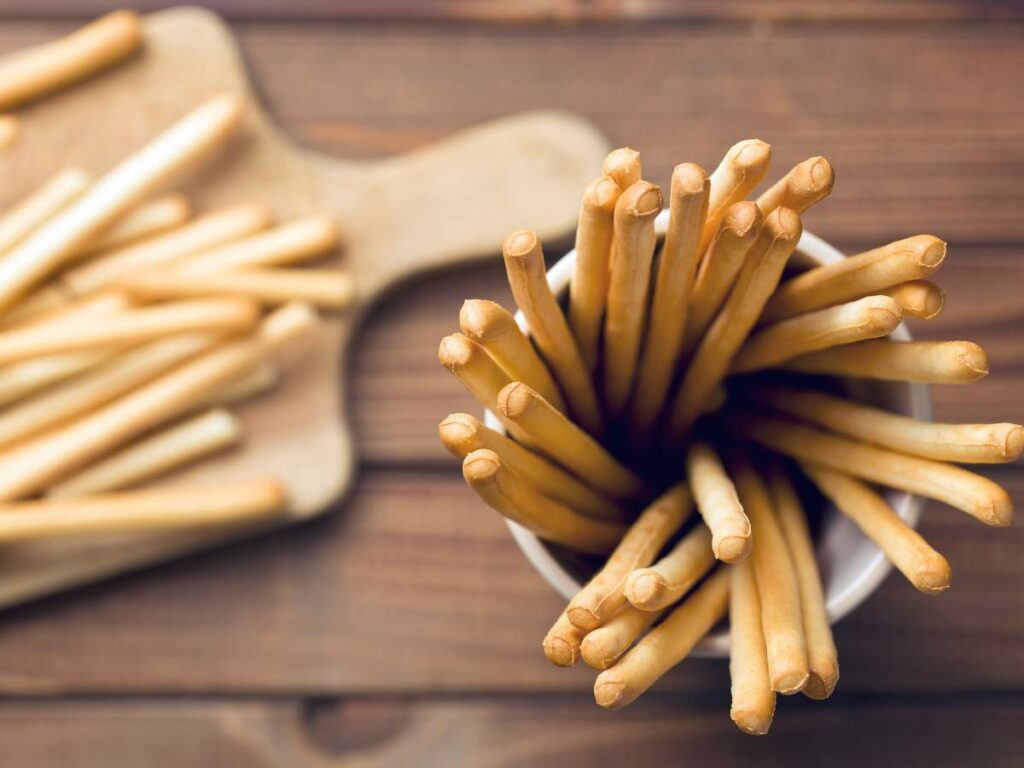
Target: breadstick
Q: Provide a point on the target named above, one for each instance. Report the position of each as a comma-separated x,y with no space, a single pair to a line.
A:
623,166
261,380
462,434
626,308
918,298
146,220
168,449
603,596
925,568
753,700
562,643
524,263
32,212
742,169
822,657
52,245
588,289
39,71
966,443
605,645
867,318
664,646
927,362
662,584
493,327
10,130
551,520
976,495
807,183
559,438
861,275
754,284
718,504
221,505
677,268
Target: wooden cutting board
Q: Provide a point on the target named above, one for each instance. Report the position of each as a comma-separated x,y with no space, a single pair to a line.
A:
439,206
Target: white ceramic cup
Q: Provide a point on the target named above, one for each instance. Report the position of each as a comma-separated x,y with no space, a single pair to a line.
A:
852,567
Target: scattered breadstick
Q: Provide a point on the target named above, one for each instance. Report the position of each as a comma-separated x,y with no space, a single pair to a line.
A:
753,700
927,362
261,380
146,220
925,568
39,71
718,504
623,166
859,320
807,183
562,642
918,298
665,582
602,647
55,195
742,169
10,130
664,646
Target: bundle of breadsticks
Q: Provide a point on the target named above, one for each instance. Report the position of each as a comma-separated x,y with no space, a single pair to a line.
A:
696,374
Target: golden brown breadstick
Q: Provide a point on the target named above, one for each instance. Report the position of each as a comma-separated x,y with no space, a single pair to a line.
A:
861,275
867,318
822,657
524,263
562,642
605,645
718,504
928,362
602,598
493,327
918,298
967,443
626,309
145,220
677,268
753,700
261,380
54,196
38,71
807,183
754,284
588,290
551,520
623,166
10,130
664,646
662,584
925,568
976,495
742,169
554,435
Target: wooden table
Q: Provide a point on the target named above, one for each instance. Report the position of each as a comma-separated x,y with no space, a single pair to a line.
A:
404,630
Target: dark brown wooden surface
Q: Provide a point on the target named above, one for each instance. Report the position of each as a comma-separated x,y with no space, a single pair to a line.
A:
404,630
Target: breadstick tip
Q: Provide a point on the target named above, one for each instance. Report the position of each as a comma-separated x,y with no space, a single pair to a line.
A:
816,176
784,225
623,157
514,399
932,250
732,548
818,688
790,681
933,576
881,312
521,243
644,587
583,617
602,194
641,200
481,467
751,154
998,510
595,654
460,434
475,317
1013,442
560,652
752,720
455,351
688,179
974,358
610,693
743,220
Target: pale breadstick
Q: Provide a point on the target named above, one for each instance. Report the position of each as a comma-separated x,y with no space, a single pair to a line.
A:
492,326
58,240
822,657
462,434
918,298
172,508
623,166
605,645
677,268
754,284
38,71
753,700
974,494
261,380
867,318
556,436
861,275
718,504
168,449
30,213
967,443
551,520
742,169
145,220
807,183
562,642
524,263
662,584
925,568
927,362
602,598
10,130
588,290
664,646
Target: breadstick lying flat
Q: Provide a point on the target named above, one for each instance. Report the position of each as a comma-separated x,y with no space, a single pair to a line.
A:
524,263
36,72
29,214
623,166
626,309
753,700
976,495
602,598
10,130
925,568
918,298
664,646
554,435
588,290
493,327
551,520
146,220
662,584
967,443
605,645
822,657
462,434
807,183
742,169
562,642
861,275
717,502
927,362
867,318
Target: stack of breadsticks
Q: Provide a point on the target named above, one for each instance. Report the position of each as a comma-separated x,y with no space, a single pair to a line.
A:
656,384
